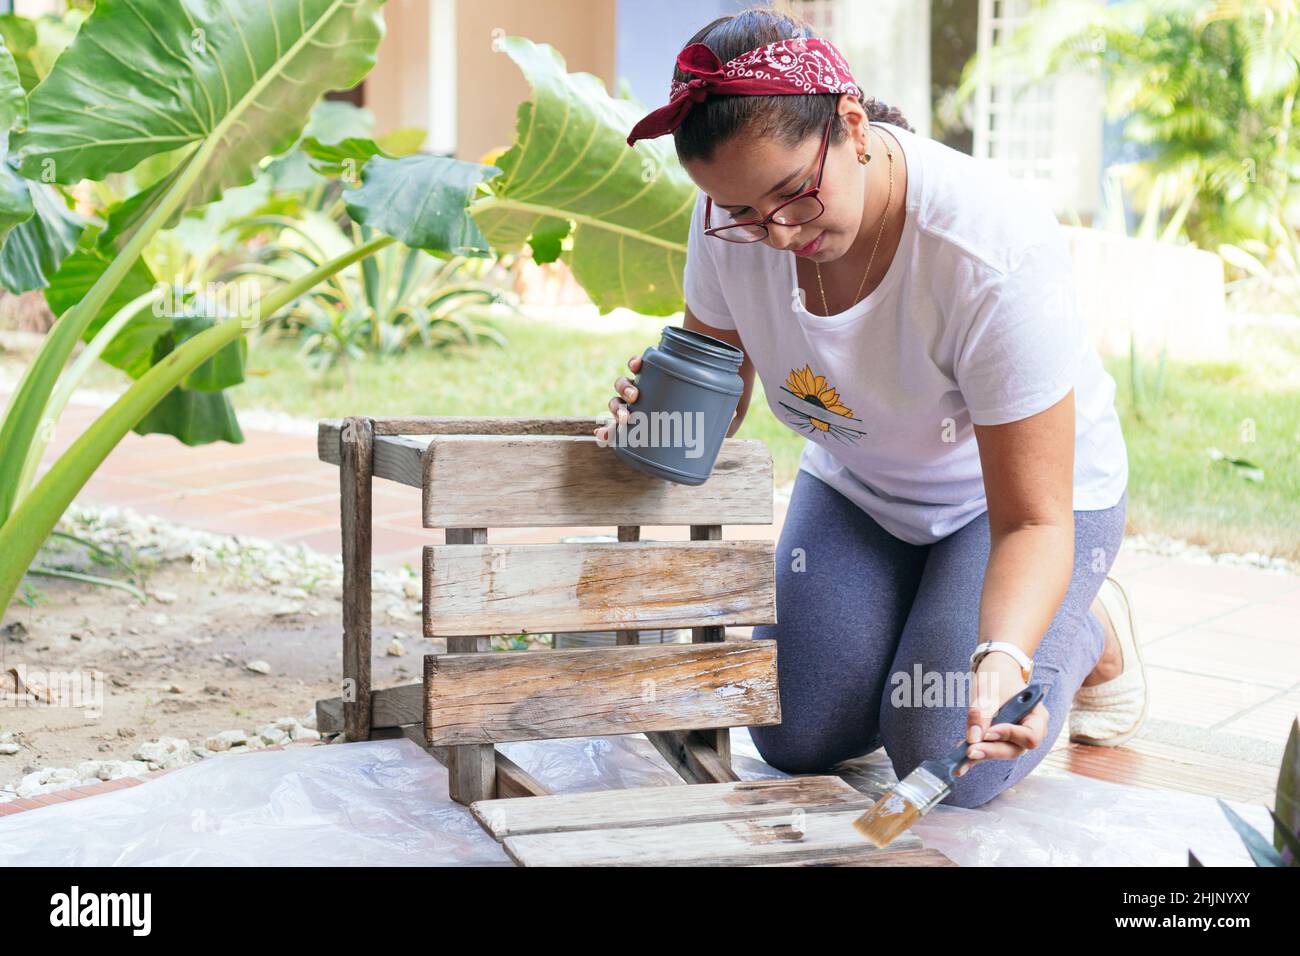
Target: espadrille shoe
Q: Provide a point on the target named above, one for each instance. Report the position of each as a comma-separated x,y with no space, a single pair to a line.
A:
1109,713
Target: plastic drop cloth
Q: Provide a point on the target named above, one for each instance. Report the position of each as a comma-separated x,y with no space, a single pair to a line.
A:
384,802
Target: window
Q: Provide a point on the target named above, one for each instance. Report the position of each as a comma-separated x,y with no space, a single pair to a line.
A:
1048,131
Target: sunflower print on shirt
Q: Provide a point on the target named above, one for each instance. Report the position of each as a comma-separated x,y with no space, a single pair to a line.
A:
816,391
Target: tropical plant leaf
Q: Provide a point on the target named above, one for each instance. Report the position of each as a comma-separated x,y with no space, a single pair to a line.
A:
131,349
195,418
13,98
35,249
224,369
547,239
124,217
198,411
403,141
631,206
19,35
1260,850
1287,798
239,76
1290,849
36,44
15,196
345,158
420,201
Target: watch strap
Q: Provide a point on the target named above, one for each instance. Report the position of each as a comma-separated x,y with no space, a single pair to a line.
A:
1024,660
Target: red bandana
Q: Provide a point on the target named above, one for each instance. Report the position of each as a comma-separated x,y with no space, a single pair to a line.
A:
801,65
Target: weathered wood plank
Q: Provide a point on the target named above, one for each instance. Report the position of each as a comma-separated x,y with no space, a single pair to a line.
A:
329,716
327,430
695,754
395,458
539,695
557,481
396,706
539,588
663,806
512,780
389,707
356,445
747,840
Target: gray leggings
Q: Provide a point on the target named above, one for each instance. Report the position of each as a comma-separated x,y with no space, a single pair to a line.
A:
860,609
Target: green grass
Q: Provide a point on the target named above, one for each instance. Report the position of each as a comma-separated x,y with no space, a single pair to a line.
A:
1175,488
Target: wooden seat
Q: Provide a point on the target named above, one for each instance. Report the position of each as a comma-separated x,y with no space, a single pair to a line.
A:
792,821
479,473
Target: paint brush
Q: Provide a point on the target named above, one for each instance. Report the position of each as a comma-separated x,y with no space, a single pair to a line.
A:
917,793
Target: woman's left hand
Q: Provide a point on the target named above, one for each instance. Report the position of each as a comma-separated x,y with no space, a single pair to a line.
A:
997,680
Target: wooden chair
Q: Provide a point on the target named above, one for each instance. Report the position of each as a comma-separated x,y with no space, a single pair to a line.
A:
481,473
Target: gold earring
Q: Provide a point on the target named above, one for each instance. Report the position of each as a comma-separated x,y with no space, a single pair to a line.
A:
864,158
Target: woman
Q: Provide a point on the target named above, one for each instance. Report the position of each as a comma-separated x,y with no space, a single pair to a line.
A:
961,495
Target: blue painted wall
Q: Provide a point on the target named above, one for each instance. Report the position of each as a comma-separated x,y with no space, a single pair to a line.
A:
649,34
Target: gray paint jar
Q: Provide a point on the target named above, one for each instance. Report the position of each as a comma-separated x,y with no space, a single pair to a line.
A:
687,392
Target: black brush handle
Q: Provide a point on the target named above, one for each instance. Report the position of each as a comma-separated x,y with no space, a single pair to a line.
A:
1012,712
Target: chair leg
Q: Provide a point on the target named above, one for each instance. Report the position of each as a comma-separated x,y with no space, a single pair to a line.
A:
628,532
717,738
471,768
356,467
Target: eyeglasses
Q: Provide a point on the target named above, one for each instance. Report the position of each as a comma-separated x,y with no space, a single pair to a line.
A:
796,211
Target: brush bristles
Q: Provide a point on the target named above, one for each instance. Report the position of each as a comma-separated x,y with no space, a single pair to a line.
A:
892,814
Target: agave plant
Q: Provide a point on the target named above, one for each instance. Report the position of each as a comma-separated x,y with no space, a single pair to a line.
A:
1284,848
383,305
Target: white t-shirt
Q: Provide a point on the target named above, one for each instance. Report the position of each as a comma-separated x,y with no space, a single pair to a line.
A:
974,323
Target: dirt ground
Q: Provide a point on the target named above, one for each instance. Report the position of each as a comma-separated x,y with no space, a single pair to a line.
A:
176,667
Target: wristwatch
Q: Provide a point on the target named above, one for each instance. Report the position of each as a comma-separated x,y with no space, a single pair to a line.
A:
1024,660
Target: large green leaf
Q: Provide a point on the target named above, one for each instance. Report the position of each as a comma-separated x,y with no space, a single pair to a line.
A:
132,348
15,198
13,98
36,44
144,78
233,80
630,206
35,248
420,200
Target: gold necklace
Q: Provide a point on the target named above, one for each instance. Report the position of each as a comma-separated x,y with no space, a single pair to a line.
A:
883,216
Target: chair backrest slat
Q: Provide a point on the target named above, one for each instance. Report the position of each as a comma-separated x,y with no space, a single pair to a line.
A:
539,695
597,586
535,481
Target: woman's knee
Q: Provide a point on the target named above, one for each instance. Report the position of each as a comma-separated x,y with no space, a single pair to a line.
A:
795,748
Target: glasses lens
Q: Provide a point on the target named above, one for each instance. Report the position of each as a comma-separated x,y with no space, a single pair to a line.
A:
798,212
741,233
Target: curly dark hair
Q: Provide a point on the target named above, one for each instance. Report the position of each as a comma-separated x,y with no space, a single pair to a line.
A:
791,118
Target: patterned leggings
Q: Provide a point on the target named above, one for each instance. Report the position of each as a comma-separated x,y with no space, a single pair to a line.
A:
863,611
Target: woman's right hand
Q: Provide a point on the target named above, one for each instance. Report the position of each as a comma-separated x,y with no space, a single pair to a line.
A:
626,391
